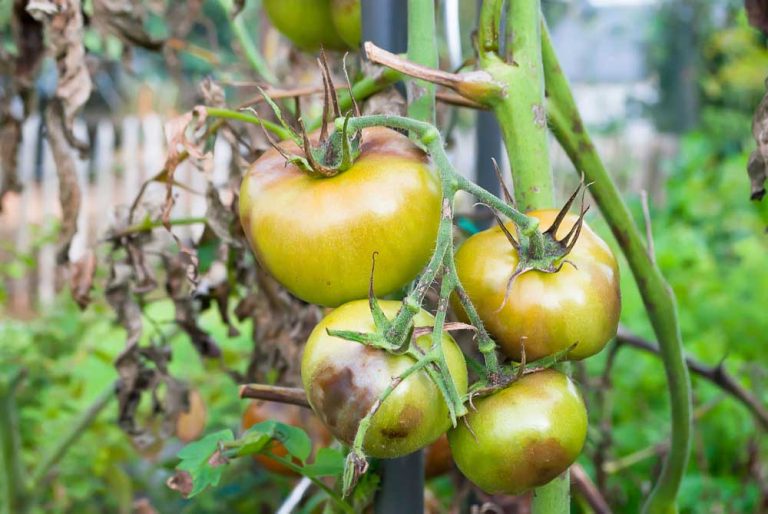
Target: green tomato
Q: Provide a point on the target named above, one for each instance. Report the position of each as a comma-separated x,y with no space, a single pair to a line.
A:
522,436
348,21
317,236
545,312
343,379
307,23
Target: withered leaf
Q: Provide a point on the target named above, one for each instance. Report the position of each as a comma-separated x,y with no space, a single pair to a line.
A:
757,13
28,36
81,276
181,482
125,19
756,167
10,138
63,21
69,188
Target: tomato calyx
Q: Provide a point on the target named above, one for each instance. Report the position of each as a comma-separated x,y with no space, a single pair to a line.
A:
514,372
543,251
335,151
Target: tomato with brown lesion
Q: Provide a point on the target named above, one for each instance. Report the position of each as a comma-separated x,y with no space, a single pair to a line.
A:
343,380
522,436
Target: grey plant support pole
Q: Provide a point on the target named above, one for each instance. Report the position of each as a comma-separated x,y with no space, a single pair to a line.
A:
487,146
402,484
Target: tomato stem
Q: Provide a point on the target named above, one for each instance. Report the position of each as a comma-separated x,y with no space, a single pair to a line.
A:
658,297
228,114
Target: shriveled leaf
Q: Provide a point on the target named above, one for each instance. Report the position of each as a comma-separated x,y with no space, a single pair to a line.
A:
756,169
69,187
328,462
125,19
757,13
28,36
81,276
63,21
10,138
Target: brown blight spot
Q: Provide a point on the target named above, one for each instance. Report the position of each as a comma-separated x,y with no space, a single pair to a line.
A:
339,403
409,420
546,459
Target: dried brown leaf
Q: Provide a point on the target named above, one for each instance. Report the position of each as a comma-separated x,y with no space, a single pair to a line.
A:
10,138
69,187
63,21
125,19
28,36
758,160
757,13
81,276
181,482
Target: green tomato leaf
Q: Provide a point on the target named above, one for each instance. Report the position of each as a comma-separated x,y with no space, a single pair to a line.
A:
203,462
296,442
328,462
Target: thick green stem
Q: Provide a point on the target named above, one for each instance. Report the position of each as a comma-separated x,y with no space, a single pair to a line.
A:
657,296
521,112
76,430
228,114
12,472
422,49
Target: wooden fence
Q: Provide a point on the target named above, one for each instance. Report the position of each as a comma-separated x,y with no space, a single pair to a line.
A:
122,156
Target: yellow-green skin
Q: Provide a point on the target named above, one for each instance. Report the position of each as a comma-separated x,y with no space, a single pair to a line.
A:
307,23
348,21
579,304
317,236
524,435
342,380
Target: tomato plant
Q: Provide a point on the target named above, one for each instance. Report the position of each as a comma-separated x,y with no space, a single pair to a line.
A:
522,436
344,379
258,411
545,312
307,23
317,235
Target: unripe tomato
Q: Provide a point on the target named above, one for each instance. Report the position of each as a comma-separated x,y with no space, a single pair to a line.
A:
317,236
294,415
548,311
437,458
347,20
307,23
190,424
343,379
522,436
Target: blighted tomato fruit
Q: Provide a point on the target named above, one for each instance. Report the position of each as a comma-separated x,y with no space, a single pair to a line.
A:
545,312
522,436
343,379
317,235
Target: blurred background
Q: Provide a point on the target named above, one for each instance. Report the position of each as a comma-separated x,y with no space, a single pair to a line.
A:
667,88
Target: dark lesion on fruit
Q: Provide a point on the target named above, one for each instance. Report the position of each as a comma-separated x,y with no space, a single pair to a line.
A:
408,420
339,402
546,459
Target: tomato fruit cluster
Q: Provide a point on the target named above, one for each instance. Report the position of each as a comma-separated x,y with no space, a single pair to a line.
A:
317,234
